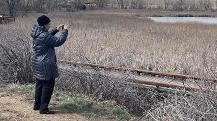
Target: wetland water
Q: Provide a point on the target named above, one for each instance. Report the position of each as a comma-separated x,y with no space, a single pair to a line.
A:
200,20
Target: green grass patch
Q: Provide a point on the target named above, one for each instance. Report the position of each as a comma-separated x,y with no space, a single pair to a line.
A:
68,102
120,113
90,108
26,89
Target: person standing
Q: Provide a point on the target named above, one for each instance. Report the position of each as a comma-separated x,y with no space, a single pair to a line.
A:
44,60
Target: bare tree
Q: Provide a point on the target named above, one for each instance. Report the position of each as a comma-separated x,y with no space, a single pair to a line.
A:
207,5
180,5
3,8
100,3
120,3
11,6
166,4
39,5
78,4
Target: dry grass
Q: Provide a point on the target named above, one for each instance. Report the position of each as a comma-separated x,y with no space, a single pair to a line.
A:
129,41
197,106
139,43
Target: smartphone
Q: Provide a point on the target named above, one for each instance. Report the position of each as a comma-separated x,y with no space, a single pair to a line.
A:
62,27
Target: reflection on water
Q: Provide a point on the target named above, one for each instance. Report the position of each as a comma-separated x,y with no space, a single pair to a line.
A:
202,20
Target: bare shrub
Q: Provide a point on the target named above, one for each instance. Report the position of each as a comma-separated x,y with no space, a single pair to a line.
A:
198,106
15,53
103,85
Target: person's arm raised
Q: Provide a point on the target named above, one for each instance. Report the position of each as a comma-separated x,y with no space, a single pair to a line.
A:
57,41
57,29
54,31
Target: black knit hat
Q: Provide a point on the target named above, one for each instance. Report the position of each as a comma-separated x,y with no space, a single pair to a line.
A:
43,20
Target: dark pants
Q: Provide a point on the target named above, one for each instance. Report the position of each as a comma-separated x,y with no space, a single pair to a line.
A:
43,93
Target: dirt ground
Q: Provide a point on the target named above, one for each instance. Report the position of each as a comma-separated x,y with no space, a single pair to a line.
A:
14,107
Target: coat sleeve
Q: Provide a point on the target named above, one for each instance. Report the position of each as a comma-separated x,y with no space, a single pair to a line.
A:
54,31
57,41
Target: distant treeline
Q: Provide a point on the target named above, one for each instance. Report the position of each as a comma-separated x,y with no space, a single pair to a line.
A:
12,6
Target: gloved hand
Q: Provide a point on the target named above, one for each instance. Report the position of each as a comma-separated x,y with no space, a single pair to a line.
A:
60,27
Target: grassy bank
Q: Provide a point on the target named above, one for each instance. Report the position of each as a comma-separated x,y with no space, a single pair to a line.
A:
67,102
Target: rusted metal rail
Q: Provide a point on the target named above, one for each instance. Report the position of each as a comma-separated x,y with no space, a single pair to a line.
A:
151,73
6,19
